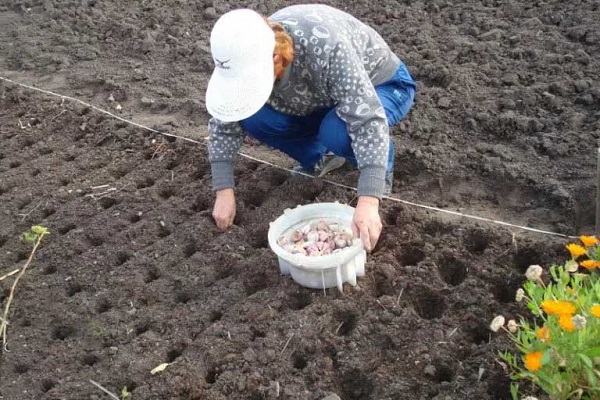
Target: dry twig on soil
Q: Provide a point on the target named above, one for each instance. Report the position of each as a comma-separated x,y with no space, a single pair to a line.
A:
35,236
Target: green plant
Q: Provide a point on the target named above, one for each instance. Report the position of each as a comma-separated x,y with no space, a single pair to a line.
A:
561,346
34,236
98,330
125,395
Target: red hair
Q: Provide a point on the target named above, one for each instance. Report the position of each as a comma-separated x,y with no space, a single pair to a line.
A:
284,47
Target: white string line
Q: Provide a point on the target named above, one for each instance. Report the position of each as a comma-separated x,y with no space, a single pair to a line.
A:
395,199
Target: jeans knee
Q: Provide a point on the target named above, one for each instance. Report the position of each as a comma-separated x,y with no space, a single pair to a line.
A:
333,132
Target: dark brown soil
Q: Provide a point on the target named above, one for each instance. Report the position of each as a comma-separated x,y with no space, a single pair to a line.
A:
505,125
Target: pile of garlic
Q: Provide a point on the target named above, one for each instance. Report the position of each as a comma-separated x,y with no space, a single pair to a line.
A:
316,239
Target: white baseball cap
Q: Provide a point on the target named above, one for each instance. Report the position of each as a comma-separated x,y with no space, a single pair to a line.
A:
242,46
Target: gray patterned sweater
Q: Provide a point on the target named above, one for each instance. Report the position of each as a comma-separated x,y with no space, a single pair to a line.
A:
337,62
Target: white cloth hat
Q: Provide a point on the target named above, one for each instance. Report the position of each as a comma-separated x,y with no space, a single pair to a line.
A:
242,46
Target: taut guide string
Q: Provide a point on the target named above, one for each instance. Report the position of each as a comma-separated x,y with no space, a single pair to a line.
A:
394,199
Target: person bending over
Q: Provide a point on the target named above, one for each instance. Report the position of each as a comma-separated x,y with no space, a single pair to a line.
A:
311,81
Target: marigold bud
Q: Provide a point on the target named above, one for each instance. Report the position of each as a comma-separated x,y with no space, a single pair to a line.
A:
512,326
520,295
579,321
497,323
534,272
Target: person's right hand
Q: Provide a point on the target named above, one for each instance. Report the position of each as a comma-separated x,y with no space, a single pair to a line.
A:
224,209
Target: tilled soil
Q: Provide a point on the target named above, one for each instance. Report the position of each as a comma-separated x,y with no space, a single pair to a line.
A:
135,274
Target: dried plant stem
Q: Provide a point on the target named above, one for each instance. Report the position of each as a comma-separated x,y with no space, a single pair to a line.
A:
3,277
108,392
11,295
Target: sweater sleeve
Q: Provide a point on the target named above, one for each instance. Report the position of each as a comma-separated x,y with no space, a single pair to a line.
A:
358,105
225,140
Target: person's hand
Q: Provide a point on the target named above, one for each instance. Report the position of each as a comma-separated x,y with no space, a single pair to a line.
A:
224,209
366,222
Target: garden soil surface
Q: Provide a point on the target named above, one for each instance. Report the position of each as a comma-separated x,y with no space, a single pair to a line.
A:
135,274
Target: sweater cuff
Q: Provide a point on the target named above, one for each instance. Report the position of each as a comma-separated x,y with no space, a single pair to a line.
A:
222,175
371,182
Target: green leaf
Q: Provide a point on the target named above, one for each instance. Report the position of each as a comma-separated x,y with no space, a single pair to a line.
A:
591,377
546,357
593,352
514,391
30,236
586,360
40,230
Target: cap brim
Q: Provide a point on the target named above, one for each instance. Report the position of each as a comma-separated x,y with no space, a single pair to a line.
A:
235,99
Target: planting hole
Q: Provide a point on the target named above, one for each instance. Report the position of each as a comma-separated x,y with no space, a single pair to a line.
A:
89,359
410,255
63,230
142,328
347,323
428,304
64,181
184,296
133,218
189,249
14,164
223,271
107,202
95,240
211,375
35,172
299,361
123,256
257,333
61,332
73,289
146,182
256,283
477,241
152,275
453,270
215,316
103,306
443,373
49,270
173,354
47,384
167,192
46,212
356,385
435,227
506,288
479,334
525,257
21,368
21,256
163,232
299,300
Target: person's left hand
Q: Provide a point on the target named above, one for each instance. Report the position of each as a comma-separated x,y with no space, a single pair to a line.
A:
366,222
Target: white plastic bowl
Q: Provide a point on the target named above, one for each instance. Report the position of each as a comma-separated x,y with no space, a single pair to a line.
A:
319,272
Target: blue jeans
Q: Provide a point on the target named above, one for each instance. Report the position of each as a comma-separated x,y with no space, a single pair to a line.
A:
307,138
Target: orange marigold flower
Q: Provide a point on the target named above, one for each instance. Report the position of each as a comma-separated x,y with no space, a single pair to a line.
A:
595,310
576,250
533,361
590,264
588,241
553,307
543,333
566,322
